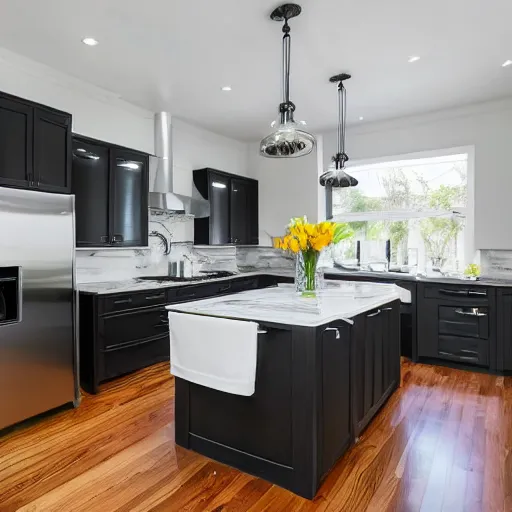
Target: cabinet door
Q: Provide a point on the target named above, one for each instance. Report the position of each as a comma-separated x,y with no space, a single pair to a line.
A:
16,142
504,341
129,198
254,237
52,151
91,189
336,417
219,193
239,205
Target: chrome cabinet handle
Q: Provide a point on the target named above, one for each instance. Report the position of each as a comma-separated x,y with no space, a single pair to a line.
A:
378,312
338,335
387,309
471,312
262,331
104,239
117,238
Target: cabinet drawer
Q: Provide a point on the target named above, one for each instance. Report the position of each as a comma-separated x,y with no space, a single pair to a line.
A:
128,358
126,301
134,326
463,350
464,321
455,292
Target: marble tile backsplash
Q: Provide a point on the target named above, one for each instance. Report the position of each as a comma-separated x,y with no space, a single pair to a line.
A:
496,264
118,264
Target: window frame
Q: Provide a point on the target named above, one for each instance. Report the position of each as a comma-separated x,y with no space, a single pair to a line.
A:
468,212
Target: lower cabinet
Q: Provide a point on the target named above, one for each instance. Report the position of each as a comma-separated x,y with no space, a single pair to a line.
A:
504,330
457,324
375,362
124,332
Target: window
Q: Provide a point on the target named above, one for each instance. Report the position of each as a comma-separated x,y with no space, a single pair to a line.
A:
419,204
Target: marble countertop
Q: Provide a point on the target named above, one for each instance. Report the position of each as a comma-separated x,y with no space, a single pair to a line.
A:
135,284
340,300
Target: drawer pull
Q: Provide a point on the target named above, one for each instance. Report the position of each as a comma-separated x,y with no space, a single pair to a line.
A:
387,309
338,335
470,312
156,297
123,301
377,313
262,331
473,293
454,293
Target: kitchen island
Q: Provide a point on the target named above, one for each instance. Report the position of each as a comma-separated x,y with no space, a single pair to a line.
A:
325,366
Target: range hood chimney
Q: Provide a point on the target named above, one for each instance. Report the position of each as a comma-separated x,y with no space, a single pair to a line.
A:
161,195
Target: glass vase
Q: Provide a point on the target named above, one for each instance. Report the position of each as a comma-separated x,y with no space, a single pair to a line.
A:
305,273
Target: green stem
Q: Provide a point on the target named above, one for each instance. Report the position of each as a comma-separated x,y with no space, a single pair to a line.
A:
310,258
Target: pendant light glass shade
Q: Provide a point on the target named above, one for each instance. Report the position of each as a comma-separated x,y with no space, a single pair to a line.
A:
335,176
287,141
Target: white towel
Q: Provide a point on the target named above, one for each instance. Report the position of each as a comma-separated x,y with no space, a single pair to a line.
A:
214,352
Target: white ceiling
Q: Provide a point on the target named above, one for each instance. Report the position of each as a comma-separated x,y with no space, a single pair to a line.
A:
176,54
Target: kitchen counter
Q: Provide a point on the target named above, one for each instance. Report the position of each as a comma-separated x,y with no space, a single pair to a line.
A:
135,284
423,279
325,367
340,300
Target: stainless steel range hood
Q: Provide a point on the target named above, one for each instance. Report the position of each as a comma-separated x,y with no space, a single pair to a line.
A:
161,195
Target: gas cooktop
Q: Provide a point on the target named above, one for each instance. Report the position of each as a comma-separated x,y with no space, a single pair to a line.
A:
177,279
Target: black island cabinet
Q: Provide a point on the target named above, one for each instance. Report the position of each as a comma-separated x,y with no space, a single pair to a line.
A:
317,388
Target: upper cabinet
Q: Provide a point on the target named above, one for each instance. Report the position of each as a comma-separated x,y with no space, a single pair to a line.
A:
35,146
111,194
233,209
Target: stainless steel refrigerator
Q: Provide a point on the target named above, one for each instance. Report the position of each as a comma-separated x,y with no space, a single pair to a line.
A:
38,305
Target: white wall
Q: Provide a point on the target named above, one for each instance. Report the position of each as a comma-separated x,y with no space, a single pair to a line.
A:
195,148
96,112
287,188
486,126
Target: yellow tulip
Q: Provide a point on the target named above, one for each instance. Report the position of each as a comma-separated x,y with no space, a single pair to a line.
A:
294,245
310,229
276,243
303,241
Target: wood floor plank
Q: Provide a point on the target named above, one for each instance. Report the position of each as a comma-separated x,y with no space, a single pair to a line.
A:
442,442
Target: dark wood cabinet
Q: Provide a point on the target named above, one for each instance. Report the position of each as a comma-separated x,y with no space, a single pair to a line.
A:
129,204
456,323
124,332
52,151
35,146
336,421
375,362
233,209
219,197
16,143
408,312
504,330
91,186
111,193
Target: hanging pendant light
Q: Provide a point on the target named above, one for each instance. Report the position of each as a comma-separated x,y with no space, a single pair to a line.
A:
335,176
287,141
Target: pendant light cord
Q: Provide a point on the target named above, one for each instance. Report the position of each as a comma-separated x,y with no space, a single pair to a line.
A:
342,117
286,62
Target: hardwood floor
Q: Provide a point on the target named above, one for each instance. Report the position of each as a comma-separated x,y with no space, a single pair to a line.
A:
443,442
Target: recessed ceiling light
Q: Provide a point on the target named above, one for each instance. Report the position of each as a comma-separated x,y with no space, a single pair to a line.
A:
361,118
226,88
506,63
413,58
89,41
